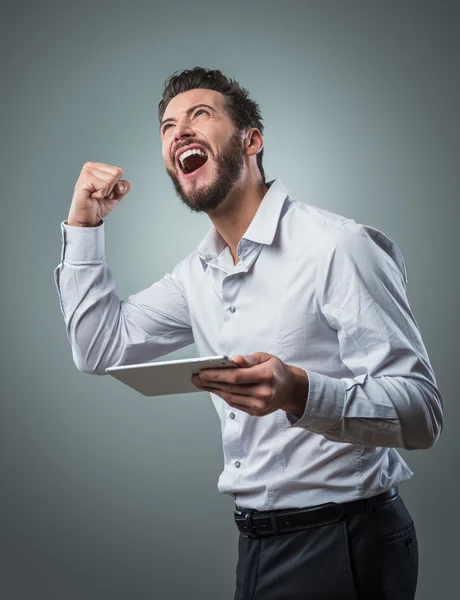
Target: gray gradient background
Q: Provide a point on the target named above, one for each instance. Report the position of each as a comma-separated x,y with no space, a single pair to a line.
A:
106,494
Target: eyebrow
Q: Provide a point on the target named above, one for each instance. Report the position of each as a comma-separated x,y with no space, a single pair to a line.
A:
188,113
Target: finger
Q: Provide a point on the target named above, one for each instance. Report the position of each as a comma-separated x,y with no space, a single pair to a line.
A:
245,403
256,374
255,391
97,187
251,360
107,168
241,361
104,176
120,189
114,190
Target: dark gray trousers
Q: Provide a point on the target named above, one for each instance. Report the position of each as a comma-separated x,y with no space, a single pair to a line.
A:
362,557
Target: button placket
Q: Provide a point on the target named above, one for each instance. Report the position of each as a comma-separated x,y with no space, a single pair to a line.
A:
230,289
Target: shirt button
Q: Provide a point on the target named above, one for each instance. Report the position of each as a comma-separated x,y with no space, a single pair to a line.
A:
232,309
232,415
237,464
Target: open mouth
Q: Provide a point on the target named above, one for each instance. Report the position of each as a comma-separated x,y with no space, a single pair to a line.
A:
191,160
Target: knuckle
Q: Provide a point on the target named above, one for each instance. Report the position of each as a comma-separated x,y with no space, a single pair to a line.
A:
265,393
81,182
262,405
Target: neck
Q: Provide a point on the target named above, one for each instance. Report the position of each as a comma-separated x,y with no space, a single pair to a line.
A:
234,215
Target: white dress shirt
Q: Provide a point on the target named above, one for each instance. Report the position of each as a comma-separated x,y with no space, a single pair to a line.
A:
314,288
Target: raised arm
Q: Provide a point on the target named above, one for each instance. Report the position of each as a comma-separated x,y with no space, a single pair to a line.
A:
102,329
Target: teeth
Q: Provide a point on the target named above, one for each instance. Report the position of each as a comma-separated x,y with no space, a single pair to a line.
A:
184,155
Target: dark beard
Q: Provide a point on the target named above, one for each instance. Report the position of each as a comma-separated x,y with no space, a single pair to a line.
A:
229,165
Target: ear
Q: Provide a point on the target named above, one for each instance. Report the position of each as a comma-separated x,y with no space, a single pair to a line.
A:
254,142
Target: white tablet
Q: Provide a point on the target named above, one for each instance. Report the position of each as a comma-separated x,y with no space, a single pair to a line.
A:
168,377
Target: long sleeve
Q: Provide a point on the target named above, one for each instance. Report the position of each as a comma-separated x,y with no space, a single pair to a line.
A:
392,400
102,329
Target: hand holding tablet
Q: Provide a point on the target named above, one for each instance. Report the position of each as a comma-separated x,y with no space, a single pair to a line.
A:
168,377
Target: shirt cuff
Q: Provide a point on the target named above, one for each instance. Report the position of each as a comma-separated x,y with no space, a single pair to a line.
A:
324,406
83,244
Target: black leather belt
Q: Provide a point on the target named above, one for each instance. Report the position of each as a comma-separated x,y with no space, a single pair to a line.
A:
253,523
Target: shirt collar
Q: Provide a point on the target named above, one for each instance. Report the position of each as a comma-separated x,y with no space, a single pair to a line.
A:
262,228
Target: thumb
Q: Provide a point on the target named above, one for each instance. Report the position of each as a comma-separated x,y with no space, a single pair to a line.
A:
251,360
122,187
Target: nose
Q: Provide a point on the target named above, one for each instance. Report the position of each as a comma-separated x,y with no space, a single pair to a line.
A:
183,129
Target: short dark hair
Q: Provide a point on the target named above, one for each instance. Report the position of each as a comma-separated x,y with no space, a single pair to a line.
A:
244,112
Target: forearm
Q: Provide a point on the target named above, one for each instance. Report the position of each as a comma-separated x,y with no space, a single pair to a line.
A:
91,312
389,411
104,331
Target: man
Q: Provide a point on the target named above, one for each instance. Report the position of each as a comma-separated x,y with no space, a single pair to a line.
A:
312,306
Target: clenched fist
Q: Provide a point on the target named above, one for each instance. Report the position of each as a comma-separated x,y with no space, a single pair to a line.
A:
97,191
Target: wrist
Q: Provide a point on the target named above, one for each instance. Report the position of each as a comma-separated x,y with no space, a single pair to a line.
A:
298,399
73,223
